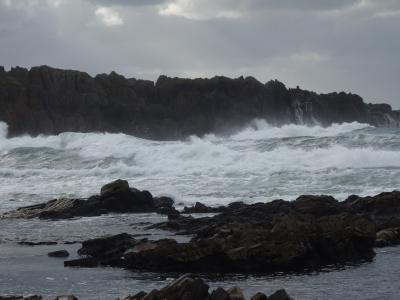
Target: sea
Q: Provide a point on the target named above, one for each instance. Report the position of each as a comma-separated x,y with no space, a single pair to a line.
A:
258,163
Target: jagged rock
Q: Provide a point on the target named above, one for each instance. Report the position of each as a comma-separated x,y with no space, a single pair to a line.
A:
219,294
186,287
45,100
67,297
259,296
58,253
383,209
262,237
279,295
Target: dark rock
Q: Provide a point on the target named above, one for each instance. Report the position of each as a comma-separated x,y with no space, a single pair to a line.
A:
186,287
388,237
383,209
67,297
117,186
202,208
219,294
164,202
58,253
45,100
259,296
236,293
262,237
116,197
279,295
26,243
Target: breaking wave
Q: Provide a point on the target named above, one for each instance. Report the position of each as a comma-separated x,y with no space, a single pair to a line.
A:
259,163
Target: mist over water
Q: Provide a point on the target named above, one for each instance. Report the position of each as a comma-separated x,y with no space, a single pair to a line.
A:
258,163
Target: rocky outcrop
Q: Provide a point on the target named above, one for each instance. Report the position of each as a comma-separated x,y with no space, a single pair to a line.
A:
383,209
190,287
306,233
45,100
115,197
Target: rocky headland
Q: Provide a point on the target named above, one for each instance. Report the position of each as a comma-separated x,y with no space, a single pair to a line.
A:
45,100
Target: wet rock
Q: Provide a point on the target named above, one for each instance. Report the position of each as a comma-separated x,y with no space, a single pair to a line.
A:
236,293
202,208
259,296
262,237
186,287
383,209
27,243
279,295
219,294
117,186
115,197
58,253
388,237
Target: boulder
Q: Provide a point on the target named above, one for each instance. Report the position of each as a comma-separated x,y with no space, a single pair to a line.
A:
219,294
186,287
117,186
235,293
279,295
259,296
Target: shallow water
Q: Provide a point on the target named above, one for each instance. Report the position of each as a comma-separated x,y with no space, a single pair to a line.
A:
259,163
30,270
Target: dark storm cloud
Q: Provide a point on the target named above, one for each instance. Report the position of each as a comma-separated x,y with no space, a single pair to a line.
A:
321,45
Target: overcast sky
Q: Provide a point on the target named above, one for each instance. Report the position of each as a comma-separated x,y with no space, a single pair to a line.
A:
323,45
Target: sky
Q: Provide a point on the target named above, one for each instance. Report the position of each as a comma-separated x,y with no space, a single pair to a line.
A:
320,45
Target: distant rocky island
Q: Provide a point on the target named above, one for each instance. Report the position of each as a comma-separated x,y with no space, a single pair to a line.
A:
45,100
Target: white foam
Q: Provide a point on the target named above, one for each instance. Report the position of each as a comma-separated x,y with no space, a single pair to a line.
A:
213,169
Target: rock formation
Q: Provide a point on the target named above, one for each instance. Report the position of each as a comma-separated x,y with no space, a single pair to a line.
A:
264,237
115,197
45,100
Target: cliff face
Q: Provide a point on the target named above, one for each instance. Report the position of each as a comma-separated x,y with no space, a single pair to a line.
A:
45,100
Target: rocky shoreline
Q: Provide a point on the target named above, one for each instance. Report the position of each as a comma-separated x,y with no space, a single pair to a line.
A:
307,233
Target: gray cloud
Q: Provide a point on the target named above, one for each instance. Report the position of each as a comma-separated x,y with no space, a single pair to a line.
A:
127,2
324,46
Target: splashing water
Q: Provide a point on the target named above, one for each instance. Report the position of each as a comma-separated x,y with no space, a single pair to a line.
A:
259,163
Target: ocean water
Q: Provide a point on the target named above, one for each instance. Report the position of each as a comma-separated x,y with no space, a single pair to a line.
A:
258,163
